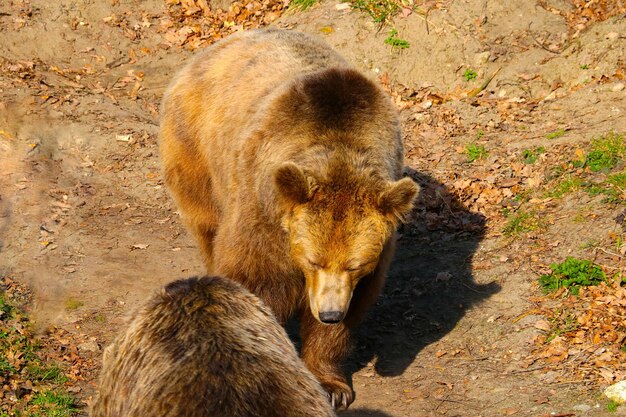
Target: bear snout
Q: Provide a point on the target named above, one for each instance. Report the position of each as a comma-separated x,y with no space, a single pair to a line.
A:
329,295
331,317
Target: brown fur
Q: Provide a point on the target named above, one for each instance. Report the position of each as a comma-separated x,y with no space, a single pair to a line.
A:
206,348
286,165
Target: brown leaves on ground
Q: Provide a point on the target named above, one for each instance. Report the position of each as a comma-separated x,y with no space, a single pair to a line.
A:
32,367
198,23
586,12
585,336
583,13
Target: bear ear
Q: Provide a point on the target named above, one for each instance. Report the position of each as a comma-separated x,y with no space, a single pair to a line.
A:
293,185
397,199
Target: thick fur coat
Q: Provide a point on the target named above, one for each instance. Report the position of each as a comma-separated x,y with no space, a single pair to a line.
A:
286,165
206,348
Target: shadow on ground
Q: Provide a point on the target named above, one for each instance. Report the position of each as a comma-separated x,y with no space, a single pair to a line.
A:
430,284
363,412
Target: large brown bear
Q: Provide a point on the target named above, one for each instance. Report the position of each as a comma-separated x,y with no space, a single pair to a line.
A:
286,165
206,348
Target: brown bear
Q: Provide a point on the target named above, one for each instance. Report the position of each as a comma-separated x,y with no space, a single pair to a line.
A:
286,164
206,348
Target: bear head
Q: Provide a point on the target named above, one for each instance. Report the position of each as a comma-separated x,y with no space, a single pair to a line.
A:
338,224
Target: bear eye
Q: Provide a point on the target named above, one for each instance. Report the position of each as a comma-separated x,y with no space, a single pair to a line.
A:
353,267
315,264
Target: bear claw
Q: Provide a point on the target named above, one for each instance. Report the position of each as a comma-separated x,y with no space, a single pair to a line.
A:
340,396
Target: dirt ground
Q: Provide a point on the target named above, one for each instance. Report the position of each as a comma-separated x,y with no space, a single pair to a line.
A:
86,222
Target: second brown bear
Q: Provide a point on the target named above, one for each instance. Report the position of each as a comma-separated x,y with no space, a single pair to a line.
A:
206,347
286,165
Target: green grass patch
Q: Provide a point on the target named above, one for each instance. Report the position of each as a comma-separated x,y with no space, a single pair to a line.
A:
470,74
52,404
611,195
381,11
521,222
6,368
613,188
618,180
572,274
301,4
21,361
565,186
606,151
529,156
40,372
475,152
604,154
396,42
555,134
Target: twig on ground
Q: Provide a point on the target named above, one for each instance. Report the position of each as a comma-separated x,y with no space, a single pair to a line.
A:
540,44
484,85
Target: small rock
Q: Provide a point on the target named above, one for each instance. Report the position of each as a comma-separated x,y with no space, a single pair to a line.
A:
482,58
612,35
617,87
342,6
616,392
90,346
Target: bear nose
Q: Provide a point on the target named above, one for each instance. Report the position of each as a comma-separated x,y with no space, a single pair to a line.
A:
331,317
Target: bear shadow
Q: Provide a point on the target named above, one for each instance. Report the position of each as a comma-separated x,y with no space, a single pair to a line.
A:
430,283
363,412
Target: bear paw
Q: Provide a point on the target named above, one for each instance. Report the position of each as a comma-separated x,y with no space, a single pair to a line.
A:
339,393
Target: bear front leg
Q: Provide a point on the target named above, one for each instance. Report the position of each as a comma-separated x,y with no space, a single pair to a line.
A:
205,235
324,346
